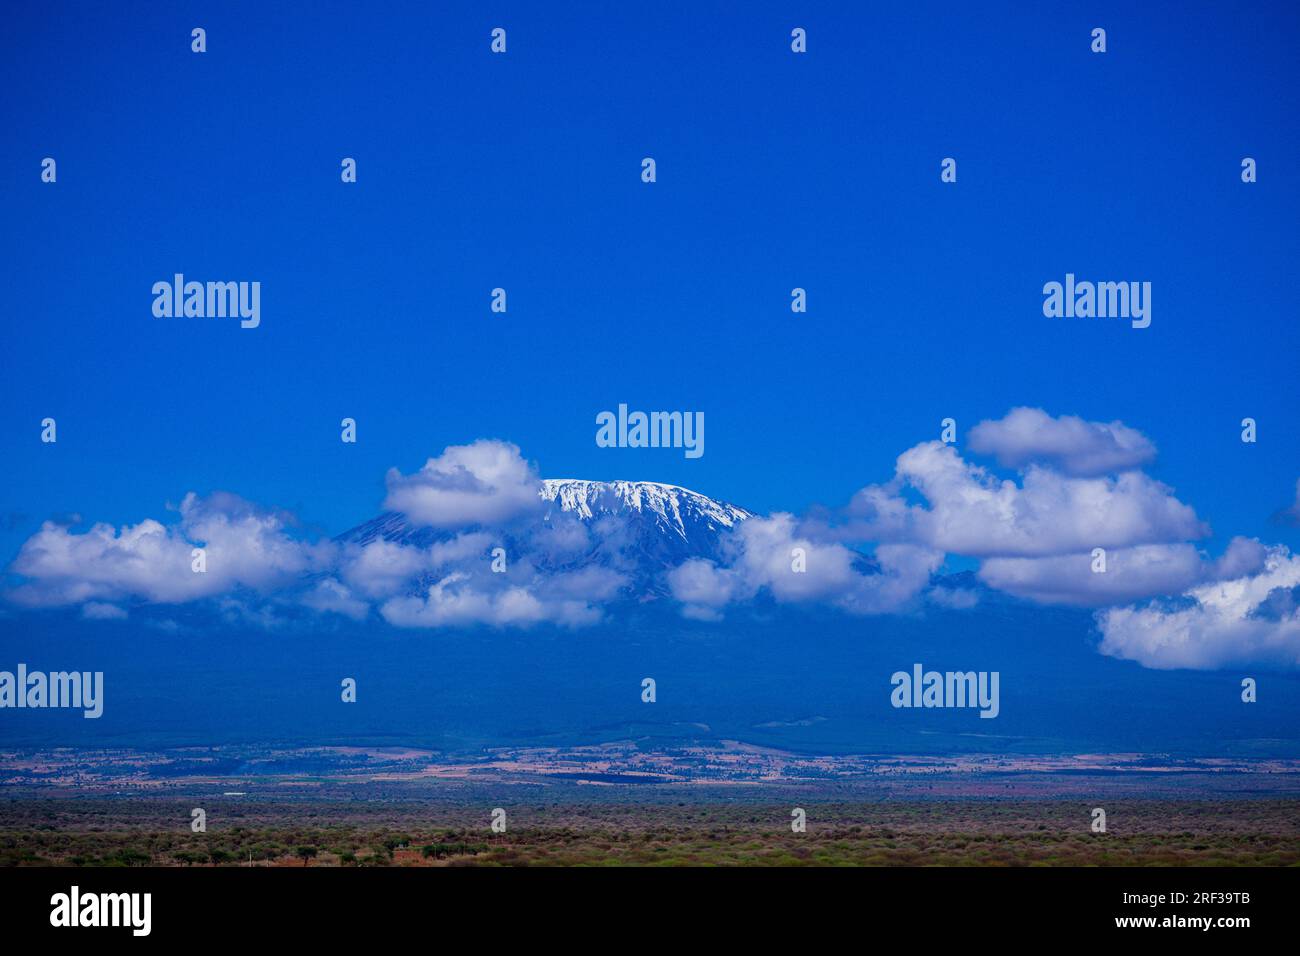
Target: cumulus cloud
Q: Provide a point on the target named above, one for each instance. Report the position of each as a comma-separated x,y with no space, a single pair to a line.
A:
458,600
382,568
486,483
245,546
1247,619
95,611
774,555
1078,487
1069,444
444,580
586,584
956,599
704,588
67,568
1130,573
543,576
968,511
334,596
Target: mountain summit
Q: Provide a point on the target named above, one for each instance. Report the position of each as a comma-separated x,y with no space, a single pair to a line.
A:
642,528
670,508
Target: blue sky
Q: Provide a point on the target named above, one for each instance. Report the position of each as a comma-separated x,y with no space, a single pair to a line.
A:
522,171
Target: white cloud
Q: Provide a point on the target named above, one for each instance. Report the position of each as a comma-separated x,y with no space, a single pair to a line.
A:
956,599
1250,619
458,600
382,568
67,568
765,554
451,581
486,483
248,548
971,512
333,596
1131,573
471,545
1033,536
704,588
95,611
245,547
587,584
1069,444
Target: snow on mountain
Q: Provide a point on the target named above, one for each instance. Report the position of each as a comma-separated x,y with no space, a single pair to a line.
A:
642,528
673,509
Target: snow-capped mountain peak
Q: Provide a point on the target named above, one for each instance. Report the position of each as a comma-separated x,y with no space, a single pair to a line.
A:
641,530
676,510
656,525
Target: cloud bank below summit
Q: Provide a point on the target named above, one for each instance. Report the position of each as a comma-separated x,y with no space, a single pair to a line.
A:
1077,486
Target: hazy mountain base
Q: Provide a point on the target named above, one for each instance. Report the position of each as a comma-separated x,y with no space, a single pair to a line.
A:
801,679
